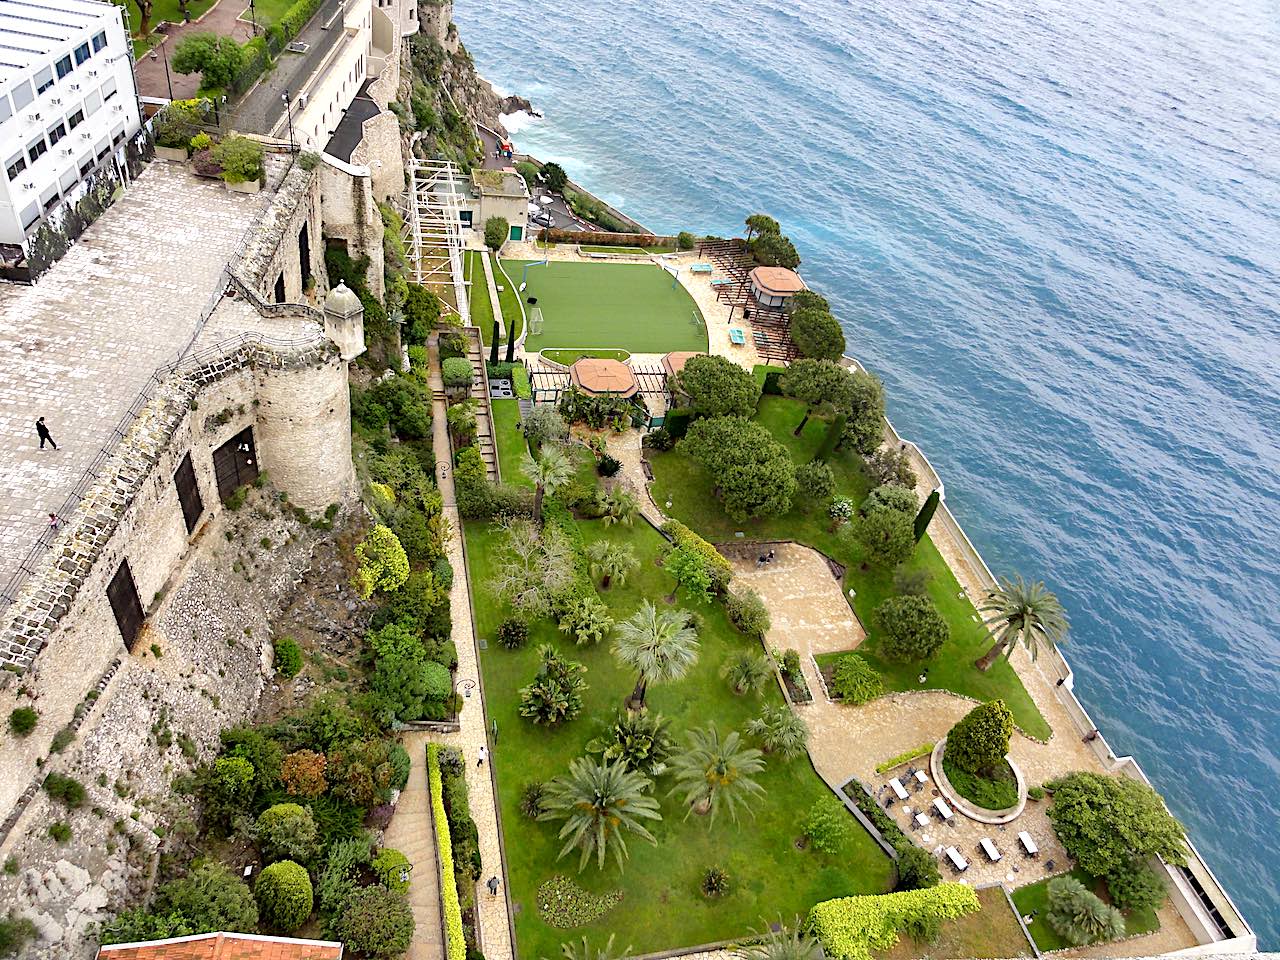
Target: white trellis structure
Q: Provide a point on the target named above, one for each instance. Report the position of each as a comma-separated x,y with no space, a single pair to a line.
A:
433,228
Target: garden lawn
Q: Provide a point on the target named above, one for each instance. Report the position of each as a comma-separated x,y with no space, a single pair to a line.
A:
567,357
511,444
616,305
1034,898
508,298
991,932
662,906
682,481
478,295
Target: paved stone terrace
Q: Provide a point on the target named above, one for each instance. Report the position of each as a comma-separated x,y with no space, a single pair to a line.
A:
78,346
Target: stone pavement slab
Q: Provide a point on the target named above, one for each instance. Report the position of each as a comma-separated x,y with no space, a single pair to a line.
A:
411,832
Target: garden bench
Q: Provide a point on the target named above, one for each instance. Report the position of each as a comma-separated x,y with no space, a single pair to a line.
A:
701,268
737,337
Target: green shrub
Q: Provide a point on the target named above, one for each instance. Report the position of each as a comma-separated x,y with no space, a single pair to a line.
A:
69,790
23,720
62,739
513,633
715,882
911,628
685,240
287,831
457,372
903,757
1104,822
851,927
917,870
201,141
828,825
240,159
211,898
15,932
817,482
288,656
531,798
1035,793
338,879
496,231
894,496
980,740
284,895
855,681
59,831
392,869
747,612
383,564
720,569
374,923
455,945
471,483
1136,886
676,422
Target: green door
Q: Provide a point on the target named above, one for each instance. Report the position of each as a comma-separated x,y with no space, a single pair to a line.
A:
517,232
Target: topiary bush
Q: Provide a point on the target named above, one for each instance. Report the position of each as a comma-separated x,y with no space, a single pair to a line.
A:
828,825
980,741
284,896
457,373
911,628
287,832
455,944
851,927
816,481
374,923
392,869
855,681
288,657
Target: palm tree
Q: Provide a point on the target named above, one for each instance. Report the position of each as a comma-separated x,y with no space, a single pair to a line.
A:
1021,612
584,951
549,473
716,773
599,803
747,671
659,645
611,561
620,506
784,944
780,730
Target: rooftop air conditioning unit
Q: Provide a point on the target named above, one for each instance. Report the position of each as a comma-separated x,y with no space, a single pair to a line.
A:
66,151
28,185
34,116
86,136
55,100
74,86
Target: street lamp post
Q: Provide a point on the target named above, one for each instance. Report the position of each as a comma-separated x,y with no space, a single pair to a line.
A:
167,79
288,112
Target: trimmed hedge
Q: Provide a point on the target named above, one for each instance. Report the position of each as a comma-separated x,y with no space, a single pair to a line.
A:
720,568
457,944
296,17
851,927
903,757
676,422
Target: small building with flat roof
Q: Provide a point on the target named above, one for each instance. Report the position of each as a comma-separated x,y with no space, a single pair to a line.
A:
603,378
773,286
674,362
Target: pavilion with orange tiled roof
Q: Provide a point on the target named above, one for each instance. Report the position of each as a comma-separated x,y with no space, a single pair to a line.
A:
773,286
602,377
224,946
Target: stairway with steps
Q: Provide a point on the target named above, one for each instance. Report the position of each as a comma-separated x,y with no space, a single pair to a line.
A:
480,393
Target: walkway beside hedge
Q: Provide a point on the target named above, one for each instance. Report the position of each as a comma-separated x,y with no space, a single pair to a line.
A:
411,833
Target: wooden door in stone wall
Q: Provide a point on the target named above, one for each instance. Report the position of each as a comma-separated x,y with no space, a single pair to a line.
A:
235,463
123,597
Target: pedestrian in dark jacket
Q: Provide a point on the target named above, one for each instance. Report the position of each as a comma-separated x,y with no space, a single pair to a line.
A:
43,432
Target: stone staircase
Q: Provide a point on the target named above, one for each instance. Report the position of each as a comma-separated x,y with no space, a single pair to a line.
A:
480,393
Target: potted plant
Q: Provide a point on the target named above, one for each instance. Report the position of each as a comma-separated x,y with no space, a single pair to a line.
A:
241,161
174,128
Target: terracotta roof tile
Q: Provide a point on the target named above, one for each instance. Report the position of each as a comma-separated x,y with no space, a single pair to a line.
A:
225,946
598,376
777,280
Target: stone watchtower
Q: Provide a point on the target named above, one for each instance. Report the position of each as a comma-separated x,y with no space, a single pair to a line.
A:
344,321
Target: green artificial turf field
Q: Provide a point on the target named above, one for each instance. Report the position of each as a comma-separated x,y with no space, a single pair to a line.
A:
615,305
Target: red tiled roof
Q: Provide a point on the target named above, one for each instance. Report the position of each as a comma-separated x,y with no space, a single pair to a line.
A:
675,361
225,946
599,375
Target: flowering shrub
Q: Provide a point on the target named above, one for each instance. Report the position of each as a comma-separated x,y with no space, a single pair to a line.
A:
456,946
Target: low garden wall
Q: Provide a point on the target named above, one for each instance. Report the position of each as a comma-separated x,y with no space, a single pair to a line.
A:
1006,815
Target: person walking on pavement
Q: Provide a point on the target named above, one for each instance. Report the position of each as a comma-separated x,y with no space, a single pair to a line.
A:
482,756
43,433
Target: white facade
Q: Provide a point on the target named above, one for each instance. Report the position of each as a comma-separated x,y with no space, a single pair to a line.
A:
328,92
68,104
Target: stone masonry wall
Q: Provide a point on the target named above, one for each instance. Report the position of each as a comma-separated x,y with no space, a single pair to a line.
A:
351,214
380,151
275,250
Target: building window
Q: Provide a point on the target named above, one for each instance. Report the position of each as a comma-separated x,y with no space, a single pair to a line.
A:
50,198
75,119
279,291
69,180
63,67
6,111
44,80
86,164
37,150
82,53
109,89
30,216
103,149
56,133
92,103
465,217
99,40
22,95
15,166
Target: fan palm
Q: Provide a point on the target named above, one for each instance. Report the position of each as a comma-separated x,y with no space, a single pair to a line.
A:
780,730
599,803
747,671
658,644
584,951
611,561
784,943
620,506
715,773
549,473
1021,612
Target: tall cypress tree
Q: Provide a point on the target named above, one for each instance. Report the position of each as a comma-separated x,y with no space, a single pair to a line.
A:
926,514
493,347
511,344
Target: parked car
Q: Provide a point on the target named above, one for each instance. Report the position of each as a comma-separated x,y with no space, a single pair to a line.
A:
543,218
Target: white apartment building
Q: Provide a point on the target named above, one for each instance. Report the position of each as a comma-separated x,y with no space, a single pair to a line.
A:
68,105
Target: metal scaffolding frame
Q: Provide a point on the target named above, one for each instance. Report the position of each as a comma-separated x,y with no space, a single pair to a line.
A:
433,228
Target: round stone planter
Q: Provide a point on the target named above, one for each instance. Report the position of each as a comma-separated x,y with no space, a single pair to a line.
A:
967,807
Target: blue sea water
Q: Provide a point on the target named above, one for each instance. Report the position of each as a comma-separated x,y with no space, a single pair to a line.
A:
1054,229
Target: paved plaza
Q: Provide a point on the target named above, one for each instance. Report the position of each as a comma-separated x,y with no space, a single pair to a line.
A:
79,345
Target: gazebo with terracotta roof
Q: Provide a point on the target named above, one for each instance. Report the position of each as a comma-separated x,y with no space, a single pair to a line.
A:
601,377
772,286
674,362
